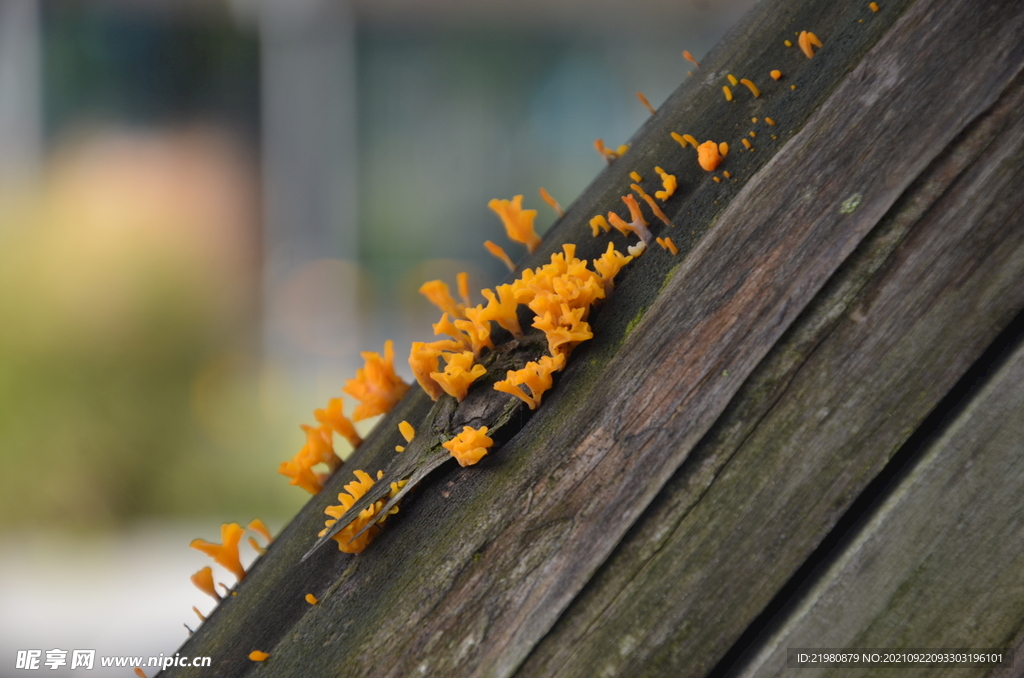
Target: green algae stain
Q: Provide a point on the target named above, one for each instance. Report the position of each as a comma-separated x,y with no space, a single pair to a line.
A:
850,204
635,321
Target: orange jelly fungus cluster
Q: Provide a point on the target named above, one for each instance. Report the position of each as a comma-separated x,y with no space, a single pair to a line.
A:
226,554
710,155
376,386
517,221
319,449
346,538
560,295
470,446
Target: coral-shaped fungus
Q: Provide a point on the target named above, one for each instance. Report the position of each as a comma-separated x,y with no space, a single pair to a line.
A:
224,554
368,516
203,580
650,202
637,224
536,376
319,449
458,374
376,386
437,293
517,221
470,446
423,358
333,416
500,253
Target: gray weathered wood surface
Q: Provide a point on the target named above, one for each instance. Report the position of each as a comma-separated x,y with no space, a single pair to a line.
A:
939,564
735,400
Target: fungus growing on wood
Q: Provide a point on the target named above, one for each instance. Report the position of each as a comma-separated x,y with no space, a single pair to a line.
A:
668,244
517,221
536,376
552,203
751,86
258,656
224,554
608,154
708,155
502,309
599,224
376,386
311,599
650,202
806,40
470,446
689,57
668,181
423,359
636,225
609,265
203,580
408,432
318,449
438,294
727,92
346,538
498,252
776,74
458,374
334,417
645,102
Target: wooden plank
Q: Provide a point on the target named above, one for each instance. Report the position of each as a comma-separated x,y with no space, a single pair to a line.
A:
498,574
808,434
652,547
938,565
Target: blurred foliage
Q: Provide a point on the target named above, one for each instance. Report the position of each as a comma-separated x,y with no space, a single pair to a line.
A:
127,304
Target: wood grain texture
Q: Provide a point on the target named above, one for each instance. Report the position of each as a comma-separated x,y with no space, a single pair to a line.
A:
478,567
938,564
763,391
815,425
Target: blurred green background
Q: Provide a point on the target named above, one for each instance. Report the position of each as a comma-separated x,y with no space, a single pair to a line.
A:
207,209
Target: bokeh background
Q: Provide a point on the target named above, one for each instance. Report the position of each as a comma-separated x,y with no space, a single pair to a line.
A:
208,208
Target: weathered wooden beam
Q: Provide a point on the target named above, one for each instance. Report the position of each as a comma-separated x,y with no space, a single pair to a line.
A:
896,327
938,564
472,576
